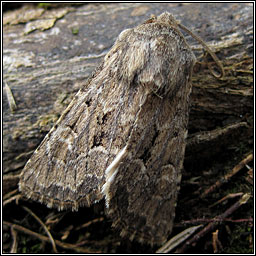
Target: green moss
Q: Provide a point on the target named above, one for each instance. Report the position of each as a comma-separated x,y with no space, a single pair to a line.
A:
44,5
29,246
36,248
75,31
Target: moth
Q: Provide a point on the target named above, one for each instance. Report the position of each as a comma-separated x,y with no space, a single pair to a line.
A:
122,138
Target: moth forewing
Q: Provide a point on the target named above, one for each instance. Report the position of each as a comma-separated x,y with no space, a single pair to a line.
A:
123,135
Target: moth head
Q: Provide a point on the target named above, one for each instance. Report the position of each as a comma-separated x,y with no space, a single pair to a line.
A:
167,18
154,54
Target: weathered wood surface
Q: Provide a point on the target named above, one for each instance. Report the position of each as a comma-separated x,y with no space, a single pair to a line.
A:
44,69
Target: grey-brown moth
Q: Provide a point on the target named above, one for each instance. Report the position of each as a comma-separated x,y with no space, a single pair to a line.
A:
122,138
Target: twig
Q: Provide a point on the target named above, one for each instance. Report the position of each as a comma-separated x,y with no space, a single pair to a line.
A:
226,178
226,197
249,177
212,225
16,197
216,242
44,227
11,193
15,243
47,239
54,218
203,220
89,223
10,98
239,220
66,232
178,239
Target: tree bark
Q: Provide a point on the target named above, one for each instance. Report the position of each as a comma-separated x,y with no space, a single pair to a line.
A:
44,68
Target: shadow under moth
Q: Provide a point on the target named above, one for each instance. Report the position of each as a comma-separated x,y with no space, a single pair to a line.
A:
122,138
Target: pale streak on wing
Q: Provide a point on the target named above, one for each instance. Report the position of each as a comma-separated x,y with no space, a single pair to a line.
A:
111,172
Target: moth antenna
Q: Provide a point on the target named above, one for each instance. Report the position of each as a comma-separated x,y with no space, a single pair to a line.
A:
209,51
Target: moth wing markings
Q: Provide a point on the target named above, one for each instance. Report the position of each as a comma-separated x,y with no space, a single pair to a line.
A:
38,175
134,64
138,183
63,135
41,180
124,118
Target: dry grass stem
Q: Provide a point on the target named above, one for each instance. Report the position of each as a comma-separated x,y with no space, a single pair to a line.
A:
47,239
227,177
44,227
